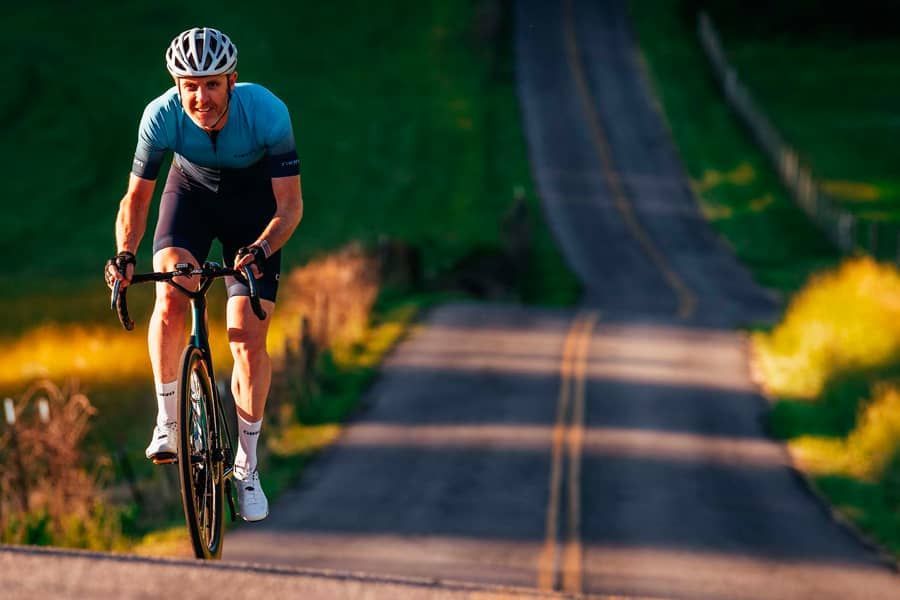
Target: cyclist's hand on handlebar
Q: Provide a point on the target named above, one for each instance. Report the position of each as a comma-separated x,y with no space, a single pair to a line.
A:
120,268
254,255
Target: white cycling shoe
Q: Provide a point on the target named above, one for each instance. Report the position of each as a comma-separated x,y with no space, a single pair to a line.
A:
252,500
163,448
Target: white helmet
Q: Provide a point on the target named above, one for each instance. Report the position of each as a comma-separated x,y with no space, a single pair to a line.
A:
200,52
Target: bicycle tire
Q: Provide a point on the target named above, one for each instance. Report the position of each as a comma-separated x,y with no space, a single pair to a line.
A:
200,470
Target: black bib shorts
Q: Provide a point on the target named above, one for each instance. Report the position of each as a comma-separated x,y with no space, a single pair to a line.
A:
231,205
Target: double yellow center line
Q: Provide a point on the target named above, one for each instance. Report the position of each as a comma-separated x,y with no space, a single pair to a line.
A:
559,564
687,300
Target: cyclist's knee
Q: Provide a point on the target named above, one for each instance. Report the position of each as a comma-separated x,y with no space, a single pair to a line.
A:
165,259
246,347
170,303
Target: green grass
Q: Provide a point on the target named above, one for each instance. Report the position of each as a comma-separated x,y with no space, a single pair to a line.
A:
834,99
737,189
405,119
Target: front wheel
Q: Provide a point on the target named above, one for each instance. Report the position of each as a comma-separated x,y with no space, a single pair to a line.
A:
199,467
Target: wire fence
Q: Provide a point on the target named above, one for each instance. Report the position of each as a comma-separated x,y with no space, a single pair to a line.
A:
849,232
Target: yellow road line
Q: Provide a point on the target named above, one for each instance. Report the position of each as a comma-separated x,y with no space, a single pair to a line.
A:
687,300
573,368
547,562
573,552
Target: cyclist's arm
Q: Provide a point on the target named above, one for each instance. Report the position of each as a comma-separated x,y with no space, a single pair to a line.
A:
288,212
131,222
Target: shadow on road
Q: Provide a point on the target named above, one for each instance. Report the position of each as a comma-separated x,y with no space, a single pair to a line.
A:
454,451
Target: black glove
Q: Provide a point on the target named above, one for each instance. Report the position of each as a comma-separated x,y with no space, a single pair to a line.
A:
120,261
259,255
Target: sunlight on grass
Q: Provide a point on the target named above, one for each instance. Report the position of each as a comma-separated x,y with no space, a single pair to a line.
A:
368,351
101,354
303,439
761,203
57,352
716,212
720,212
743,174
111,354
851,190
170,542
843,319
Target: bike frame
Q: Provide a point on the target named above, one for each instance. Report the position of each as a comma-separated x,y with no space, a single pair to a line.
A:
221,446
200,339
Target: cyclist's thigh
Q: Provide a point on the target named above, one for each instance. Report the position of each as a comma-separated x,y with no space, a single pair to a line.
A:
185,221
248,207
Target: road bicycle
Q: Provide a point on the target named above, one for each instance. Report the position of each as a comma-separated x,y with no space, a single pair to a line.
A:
205,454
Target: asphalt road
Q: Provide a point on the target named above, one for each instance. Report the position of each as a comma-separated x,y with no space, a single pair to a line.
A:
616,449
612,450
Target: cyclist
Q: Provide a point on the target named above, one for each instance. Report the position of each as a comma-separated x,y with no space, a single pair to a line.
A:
235,176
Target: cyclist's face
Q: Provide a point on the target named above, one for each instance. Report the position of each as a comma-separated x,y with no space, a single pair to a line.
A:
205,99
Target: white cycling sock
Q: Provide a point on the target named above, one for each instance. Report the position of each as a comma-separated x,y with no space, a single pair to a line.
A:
166,403
248,436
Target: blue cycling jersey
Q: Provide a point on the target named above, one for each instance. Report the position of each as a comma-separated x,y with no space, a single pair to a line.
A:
258,126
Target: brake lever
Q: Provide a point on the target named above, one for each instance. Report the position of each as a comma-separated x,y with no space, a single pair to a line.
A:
254,293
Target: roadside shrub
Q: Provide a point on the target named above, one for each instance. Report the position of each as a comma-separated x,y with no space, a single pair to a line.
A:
871,446
843,320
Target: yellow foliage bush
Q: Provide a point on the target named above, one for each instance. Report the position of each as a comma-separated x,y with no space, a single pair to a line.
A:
845,319
877,435
866,452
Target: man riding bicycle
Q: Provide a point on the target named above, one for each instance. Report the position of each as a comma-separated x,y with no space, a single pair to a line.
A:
235,177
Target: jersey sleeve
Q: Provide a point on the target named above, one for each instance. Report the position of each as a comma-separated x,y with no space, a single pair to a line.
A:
152,143
279,141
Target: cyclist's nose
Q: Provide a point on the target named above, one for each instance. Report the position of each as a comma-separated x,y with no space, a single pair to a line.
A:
202,95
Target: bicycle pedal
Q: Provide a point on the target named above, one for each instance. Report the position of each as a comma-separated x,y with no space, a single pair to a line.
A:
164,458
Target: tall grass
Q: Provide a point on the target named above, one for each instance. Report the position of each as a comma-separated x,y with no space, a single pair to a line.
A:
48,494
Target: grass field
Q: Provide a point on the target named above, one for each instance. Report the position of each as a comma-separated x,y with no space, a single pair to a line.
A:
407,127
736,189
832,362
405,120
832,98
